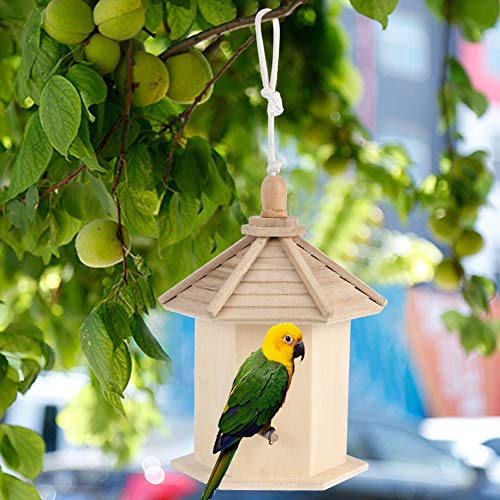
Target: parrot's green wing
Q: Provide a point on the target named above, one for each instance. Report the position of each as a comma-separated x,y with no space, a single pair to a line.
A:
257,394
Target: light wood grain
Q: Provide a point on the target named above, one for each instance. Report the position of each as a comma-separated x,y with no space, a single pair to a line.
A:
341,271
262,276
273,231
257,220
276,288
197,293
204,270
237,274
246,314
272,263
303,300
351,468
307,277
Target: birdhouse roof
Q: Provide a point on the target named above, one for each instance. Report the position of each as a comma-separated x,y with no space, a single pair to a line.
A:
273,275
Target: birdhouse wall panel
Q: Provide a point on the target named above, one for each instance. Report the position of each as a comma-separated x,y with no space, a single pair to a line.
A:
329,395
215,362
289,457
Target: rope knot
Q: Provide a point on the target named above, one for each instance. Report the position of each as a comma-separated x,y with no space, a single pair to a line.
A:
274,102
274,167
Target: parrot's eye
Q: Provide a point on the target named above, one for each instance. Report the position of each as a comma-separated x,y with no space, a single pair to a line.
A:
288,339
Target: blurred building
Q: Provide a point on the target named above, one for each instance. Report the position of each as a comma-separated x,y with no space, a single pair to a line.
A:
482,61
401,69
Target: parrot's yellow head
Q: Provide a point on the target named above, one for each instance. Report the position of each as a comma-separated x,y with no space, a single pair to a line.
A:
283,343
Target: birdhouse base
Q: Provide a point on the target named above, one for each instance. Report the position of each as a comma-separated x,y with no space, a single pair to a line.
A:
352,467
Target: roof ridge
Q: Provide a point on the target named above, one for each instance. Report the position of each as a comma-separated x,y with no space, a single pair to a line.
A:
229,286
338,269
307,276
207,268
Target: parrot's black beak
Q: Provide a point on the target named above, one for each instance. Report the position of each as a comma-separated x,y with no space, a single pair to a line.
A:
299,350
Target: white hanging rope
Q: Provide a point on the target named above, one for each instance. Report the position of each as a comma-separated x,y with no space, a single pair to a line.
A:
269,92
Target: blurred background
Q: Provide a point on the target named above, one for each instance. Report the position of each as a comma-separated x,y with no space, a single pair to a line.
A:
424,412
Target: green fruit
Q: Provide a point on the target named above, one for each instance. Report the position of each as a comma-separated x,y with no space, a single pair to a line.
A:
189,74
445,227
469,243
68,21
448,274
119,19
97,243
150,78
103,52
337,164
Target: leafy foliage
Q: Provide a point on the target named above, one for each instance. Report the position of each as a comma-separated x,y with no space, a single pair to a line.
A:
181,179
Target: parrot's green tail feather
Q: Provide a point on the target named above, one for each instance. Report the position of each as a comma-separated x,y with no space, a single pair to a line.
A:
220,468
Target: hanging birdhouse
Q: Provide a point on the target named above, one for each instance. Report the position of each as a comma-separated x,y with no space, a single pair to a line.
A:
273,275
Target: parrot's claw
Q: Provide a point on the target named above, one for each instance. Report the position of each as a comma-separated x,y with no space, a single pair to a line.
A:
271,434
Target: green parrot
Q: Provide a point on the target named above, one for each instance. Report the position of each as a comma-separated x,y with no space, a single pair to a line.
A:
258,392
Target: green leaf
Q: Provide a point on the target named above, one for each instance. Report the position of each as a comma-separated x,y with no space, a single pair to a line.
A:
217,11
177,217
82,148
31,200
154,15
30,369
18,489
8,394
48,58
63,229
453,321
378,10
140,209
26,341
180,18
29,448
477,292
484,13
60,112
90,84
139,167
146,340
30,42
111,366
17,215
32,159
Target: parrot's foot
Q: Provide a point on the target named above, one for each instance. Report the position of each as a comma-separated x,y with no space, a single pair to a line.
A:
271,434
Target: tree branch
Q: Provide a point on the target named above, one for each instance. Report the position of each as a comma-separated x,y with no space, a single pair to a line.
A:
236,24
186,114
123,148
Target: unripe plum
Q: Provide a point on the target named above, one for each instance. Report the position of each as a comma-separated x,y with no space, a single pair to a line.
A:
103,52
189,74
150,78
97,243
68,21
119,19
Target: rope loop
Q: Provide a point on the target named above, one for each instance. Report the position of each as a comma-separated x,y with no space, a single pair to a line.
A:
269,92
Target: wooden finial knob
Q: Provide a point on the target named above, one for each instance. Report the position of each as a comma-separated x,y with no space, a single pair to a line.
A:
273,195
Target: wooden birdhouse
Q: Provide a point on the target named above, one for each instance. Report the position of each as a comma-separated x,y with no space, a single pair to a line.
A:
273,275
